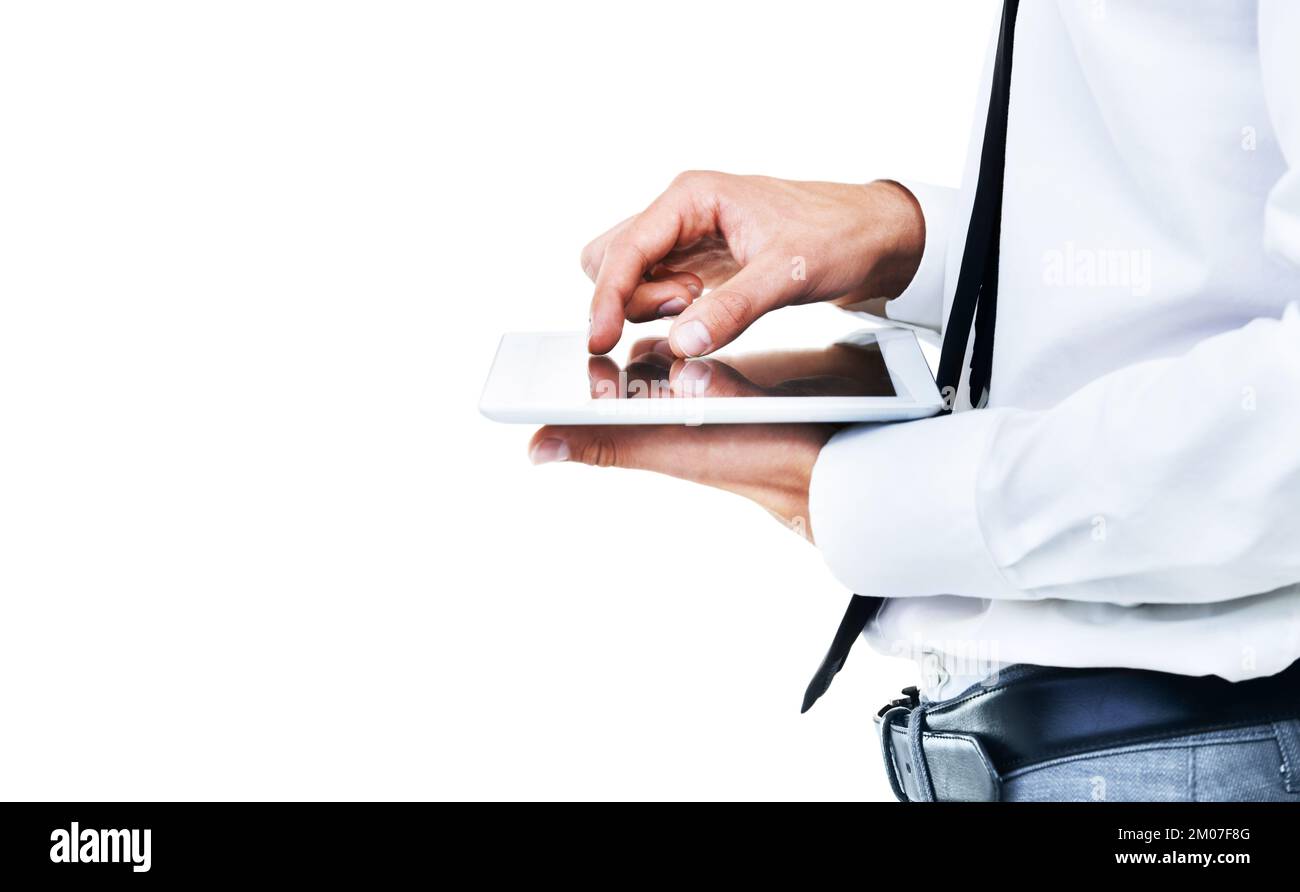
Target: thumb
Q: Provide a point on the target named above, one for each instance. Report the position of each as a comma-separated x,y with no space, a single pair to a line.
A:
718,318
672,449
605,446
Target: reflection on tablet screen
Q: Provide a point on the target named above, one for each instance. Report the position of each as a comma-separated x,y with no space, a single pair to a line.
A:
650,371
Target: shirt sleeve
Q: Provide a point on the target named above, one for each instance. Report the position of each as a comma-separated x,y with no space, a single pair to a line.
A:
921,303
1175,480
1170,481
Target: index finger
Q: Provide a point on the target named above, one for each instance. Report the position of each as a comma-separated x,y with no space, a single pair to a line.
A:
628,257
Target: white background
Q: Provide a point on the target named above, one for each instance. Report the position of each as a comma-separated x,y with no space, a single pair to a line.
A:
255,540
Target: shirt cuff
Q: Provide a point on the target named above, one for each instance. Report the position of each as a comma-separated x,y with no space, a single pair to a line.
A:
921,303
895,512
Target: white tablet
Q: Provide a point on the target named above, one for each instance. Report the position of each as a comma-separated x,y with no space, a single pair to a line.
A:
550,378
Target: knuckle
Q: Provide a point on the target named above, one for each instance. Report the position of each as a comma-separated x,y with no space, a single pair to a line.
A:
588,260
600,451
731,308
694,179
630,252
684,178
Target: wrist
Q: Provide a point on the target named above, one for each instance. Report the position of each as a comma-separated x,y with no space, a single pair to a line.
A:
788,499
895,233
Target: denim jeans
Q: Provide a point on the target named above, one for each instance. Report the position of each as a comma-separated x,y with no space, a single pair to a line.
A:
1255,763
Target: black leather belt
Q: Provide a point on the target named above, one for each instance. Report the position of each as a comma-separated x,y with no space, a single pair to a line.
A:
959,749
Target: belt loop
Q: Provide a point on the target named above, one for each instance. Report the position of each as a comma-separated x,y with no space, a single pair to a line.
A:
1288,741
915,724
887,750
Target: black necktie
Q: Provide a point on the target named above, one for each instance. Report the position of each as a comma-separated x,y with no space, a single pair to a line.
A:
974,300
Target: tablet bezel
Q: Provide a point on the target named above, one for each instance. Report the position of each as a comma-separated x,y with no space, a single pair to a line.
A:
916,395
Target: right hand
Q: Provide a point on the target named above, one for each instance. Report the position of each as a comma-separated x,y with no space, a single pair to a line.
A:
759,244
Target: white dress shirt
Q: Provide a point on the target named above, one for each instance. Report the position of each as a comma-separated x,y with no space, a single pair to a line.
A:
1131,496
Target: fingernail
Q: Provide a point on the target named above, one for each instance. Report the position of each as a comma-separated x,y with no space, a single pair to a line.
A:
663,348
692,338
672,307
694,290
693,379
549,450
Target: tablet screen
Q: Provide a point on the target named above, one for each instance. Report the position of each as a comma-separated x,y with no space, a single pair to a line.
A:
647,369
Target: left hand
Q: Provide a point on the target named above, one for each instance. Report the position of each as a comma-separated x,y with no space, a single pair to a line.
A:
770,464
